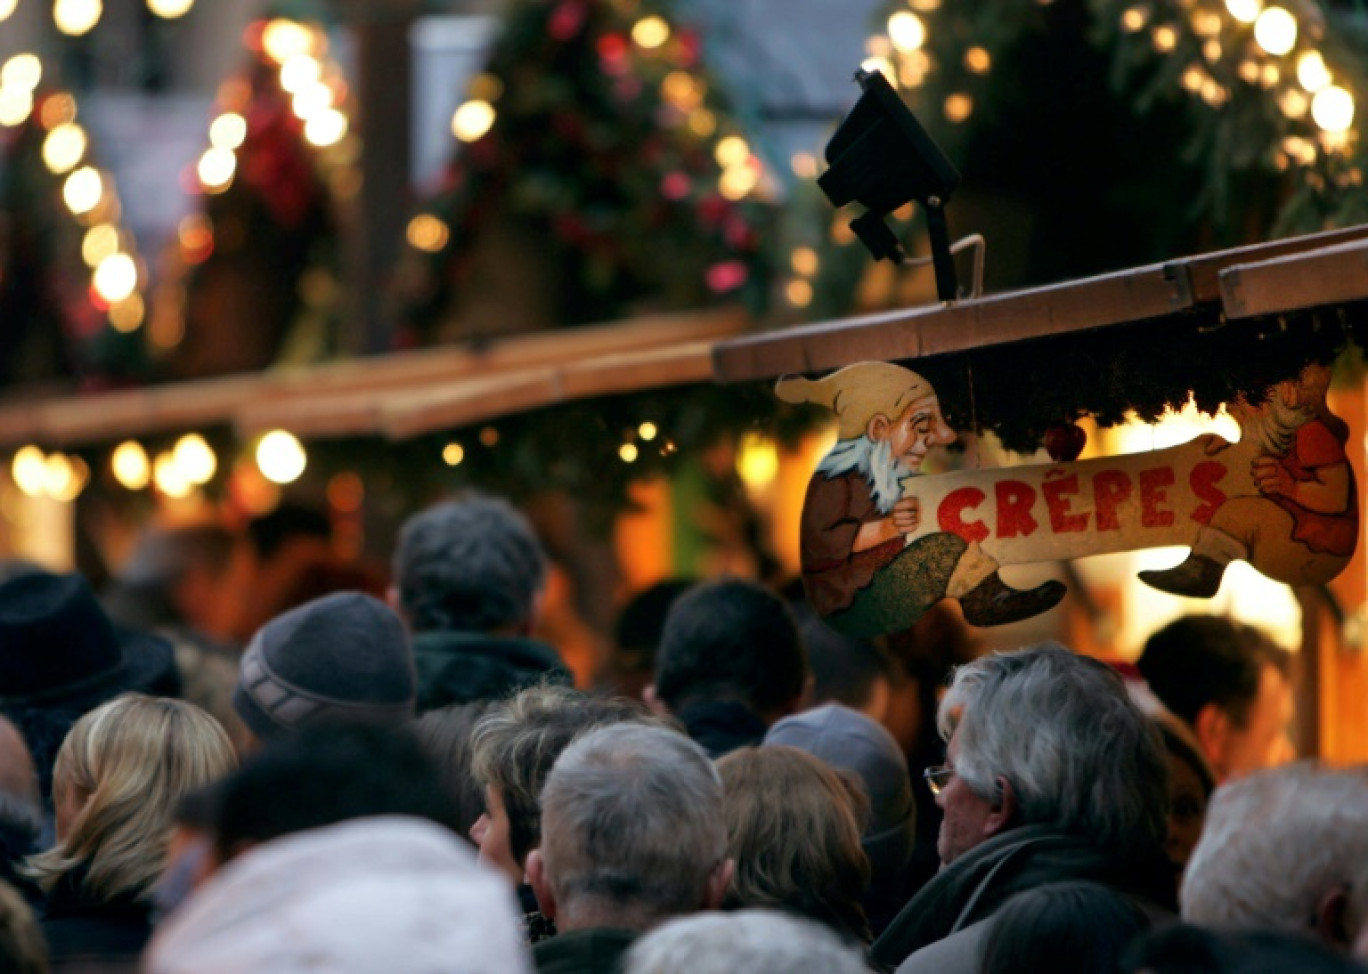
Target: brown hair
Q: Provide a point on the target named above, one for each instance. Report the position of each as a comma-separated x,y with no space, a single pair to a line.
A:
793,828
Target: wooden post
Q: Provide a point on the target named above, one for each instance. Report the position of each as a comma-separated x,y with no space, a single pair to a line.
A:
380,29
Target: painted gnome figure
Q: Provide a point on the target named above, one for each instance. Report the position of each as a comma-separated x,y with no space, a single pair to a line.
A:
1304,518
861,568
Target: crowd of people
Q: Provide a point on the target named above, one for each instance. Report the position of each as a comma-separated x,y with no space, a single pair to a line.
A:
409,780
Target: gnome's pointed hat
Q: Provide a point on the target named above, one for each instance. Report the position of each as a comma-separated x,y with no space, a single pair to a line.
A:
858,393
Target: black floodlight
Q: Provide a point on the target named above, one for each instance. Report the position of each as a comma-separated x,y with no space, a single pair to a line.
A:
881,157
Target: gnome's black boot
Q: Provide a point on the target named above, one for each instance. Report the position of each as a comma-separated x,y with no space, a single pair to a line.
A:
994,603
1199,577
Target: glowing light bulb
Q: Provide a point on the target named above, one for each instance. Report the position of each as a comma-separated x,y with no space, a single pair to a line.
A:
958,107
628,452
731,151
906,31
228,131
803,261
15,106
195,458
312,100
99,242
757,461
283,39
58,476
648,431
1276,31
650,32
64,147
281,457
472,120
83,190
1312,72
66,477
978,60
76,17
1245,11
1333,109
130,465
116,277
300,72
326,128
169,477
1133,19
798,293
216,168
170,9
453,454
737,181
22,72
427,233
127,315
29,471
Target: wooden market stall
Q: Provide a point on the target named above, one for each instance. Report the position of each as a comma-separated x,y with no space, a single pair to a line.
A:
1287,288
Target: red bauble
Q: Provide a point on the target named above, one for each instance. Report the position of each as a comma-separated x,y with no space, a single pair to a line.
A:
1065,442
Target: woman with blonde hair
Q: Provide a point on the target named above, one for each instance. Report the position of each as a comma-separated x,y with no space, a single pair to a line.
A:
118,776
793,828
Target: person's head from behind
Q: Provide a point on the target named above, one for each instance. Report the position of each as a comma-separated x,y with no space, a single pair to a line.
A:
1074,926
793,830
446,734
743,942
341,659
1231,684
1183,949
472,564
731,640
515,746
323,776
858,746
1043,736
118,777
632,831
636,638
845,670
1284,849
174,576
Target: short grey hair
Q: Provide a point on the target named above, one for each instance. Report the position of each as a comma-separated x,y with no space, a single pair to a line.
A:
744,942
632,824
471,564
1274,844
1078,753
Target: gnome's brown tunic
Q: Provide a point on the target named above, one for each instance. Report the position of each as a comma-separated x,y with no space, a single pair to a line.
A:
833,512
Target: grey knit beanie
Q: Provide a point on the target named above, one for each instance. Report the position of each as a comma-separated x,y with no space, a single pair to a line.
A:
344,658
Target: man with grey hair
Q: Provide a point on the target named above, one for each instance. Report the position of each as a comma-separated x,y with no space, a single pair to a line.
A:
1052,773
744,942
468,577
1284,849
632,835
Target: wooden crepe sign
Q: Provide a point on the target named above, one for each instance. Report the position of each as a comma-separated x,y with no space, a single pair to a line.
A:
881,542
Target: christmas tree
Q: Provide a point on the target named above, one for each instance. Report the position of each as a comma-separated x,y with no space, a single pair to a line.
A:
596,148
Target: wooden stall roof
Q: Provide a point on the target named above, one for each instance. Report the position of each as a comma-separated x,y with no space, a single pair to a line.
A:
1124,297
402,394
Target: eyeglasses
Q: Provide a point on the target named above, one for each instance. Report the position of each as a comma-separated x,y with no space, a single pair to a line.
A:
937,777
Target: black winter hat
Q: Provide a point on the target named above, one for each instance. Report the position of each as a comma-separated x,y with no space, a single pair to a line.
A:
58,648
344,658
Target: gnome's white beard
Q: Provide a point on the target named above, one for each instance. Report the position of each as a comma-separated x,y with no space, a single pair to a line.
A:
874,461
